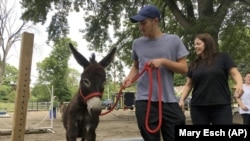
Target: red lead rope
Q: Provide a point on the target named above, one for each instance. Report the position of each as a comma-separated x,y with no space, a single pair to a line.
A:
150,75
149,69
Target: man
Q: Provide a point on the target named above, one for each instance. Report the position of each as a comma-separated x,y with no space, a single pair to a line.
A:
167,53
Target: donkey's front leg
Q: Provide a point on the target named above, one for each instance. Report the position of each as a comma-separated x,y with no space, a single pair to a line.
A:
71,137
72,132
91,135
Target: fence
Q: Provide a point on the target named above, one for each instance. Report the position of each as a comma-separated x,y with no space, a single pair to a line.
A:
32,106
38,106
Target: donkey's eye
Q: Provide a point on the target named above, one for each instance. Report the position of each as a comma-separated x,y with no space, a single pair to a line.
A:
86,83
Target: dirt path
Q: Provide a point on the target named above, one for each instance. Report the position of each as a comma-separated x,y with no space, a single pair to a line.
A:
117,124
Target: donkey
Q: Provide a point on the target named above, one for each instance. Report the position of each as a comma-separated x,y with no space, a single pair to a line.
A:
81,116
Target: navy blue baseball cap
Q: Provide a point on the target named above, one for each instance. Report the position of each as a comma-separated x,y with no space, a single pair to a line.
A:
148,11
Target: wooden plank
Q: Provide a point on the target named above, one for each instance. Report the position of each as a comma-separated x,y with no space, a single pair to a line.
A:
5,132
23,83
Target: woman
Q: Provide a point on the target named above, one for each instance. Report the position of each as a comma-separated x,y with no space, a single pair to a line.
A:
207,77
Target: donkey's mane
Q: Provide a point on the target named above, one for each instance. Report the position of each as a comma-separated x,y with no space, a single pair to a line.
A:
92,58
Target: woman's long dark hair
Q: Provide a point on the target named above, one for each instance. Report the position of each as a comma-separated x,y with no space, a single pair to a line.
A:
209,52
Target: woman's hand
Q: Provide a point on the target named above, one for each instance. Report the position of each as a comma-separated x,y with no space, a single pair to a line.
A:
238,91
182,104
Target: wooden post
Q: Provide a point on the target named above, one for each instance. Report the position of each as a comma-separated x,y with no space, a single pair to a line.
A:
22,91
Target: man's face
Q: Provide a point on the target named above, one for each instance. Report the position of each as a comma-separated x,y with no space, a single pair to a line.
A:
147,27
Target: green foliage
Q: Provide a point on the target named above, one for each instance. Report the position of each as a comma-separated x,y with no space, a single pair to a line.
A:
73,78
8,86
107,25
10,76
235,34
41,92
38,11
12,96
107,22
53,70
179,79
4,92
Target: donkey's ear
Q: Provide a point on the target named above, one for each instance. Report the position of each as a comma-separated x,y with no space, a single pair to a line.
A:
79,58
108,58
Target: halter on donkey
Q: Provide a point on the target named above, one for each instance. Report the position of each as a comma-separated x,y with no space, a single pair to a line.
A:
81,116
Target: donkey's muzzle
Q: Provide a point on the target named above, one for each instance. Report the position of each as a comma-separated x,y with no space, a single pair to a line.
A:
94,106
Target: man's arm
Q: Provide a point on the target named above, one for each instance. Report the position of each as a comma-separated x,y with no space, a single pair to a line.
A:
179,66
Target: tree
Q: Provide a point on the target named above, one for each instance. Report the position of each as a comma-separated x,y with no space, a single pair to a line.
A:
183,17
73,79
41,91
10,76
10,32
8,85
5,91
53,70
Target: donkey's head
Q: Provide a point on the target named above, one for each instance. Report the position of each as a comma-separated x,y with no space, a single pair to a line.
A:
92,79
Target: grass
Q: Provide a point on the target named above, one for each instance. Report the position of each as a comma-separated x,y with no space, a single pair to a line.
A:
9,107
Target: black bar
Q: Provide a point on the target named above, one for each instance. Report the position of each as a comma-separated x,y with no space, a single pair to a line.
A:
205,132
